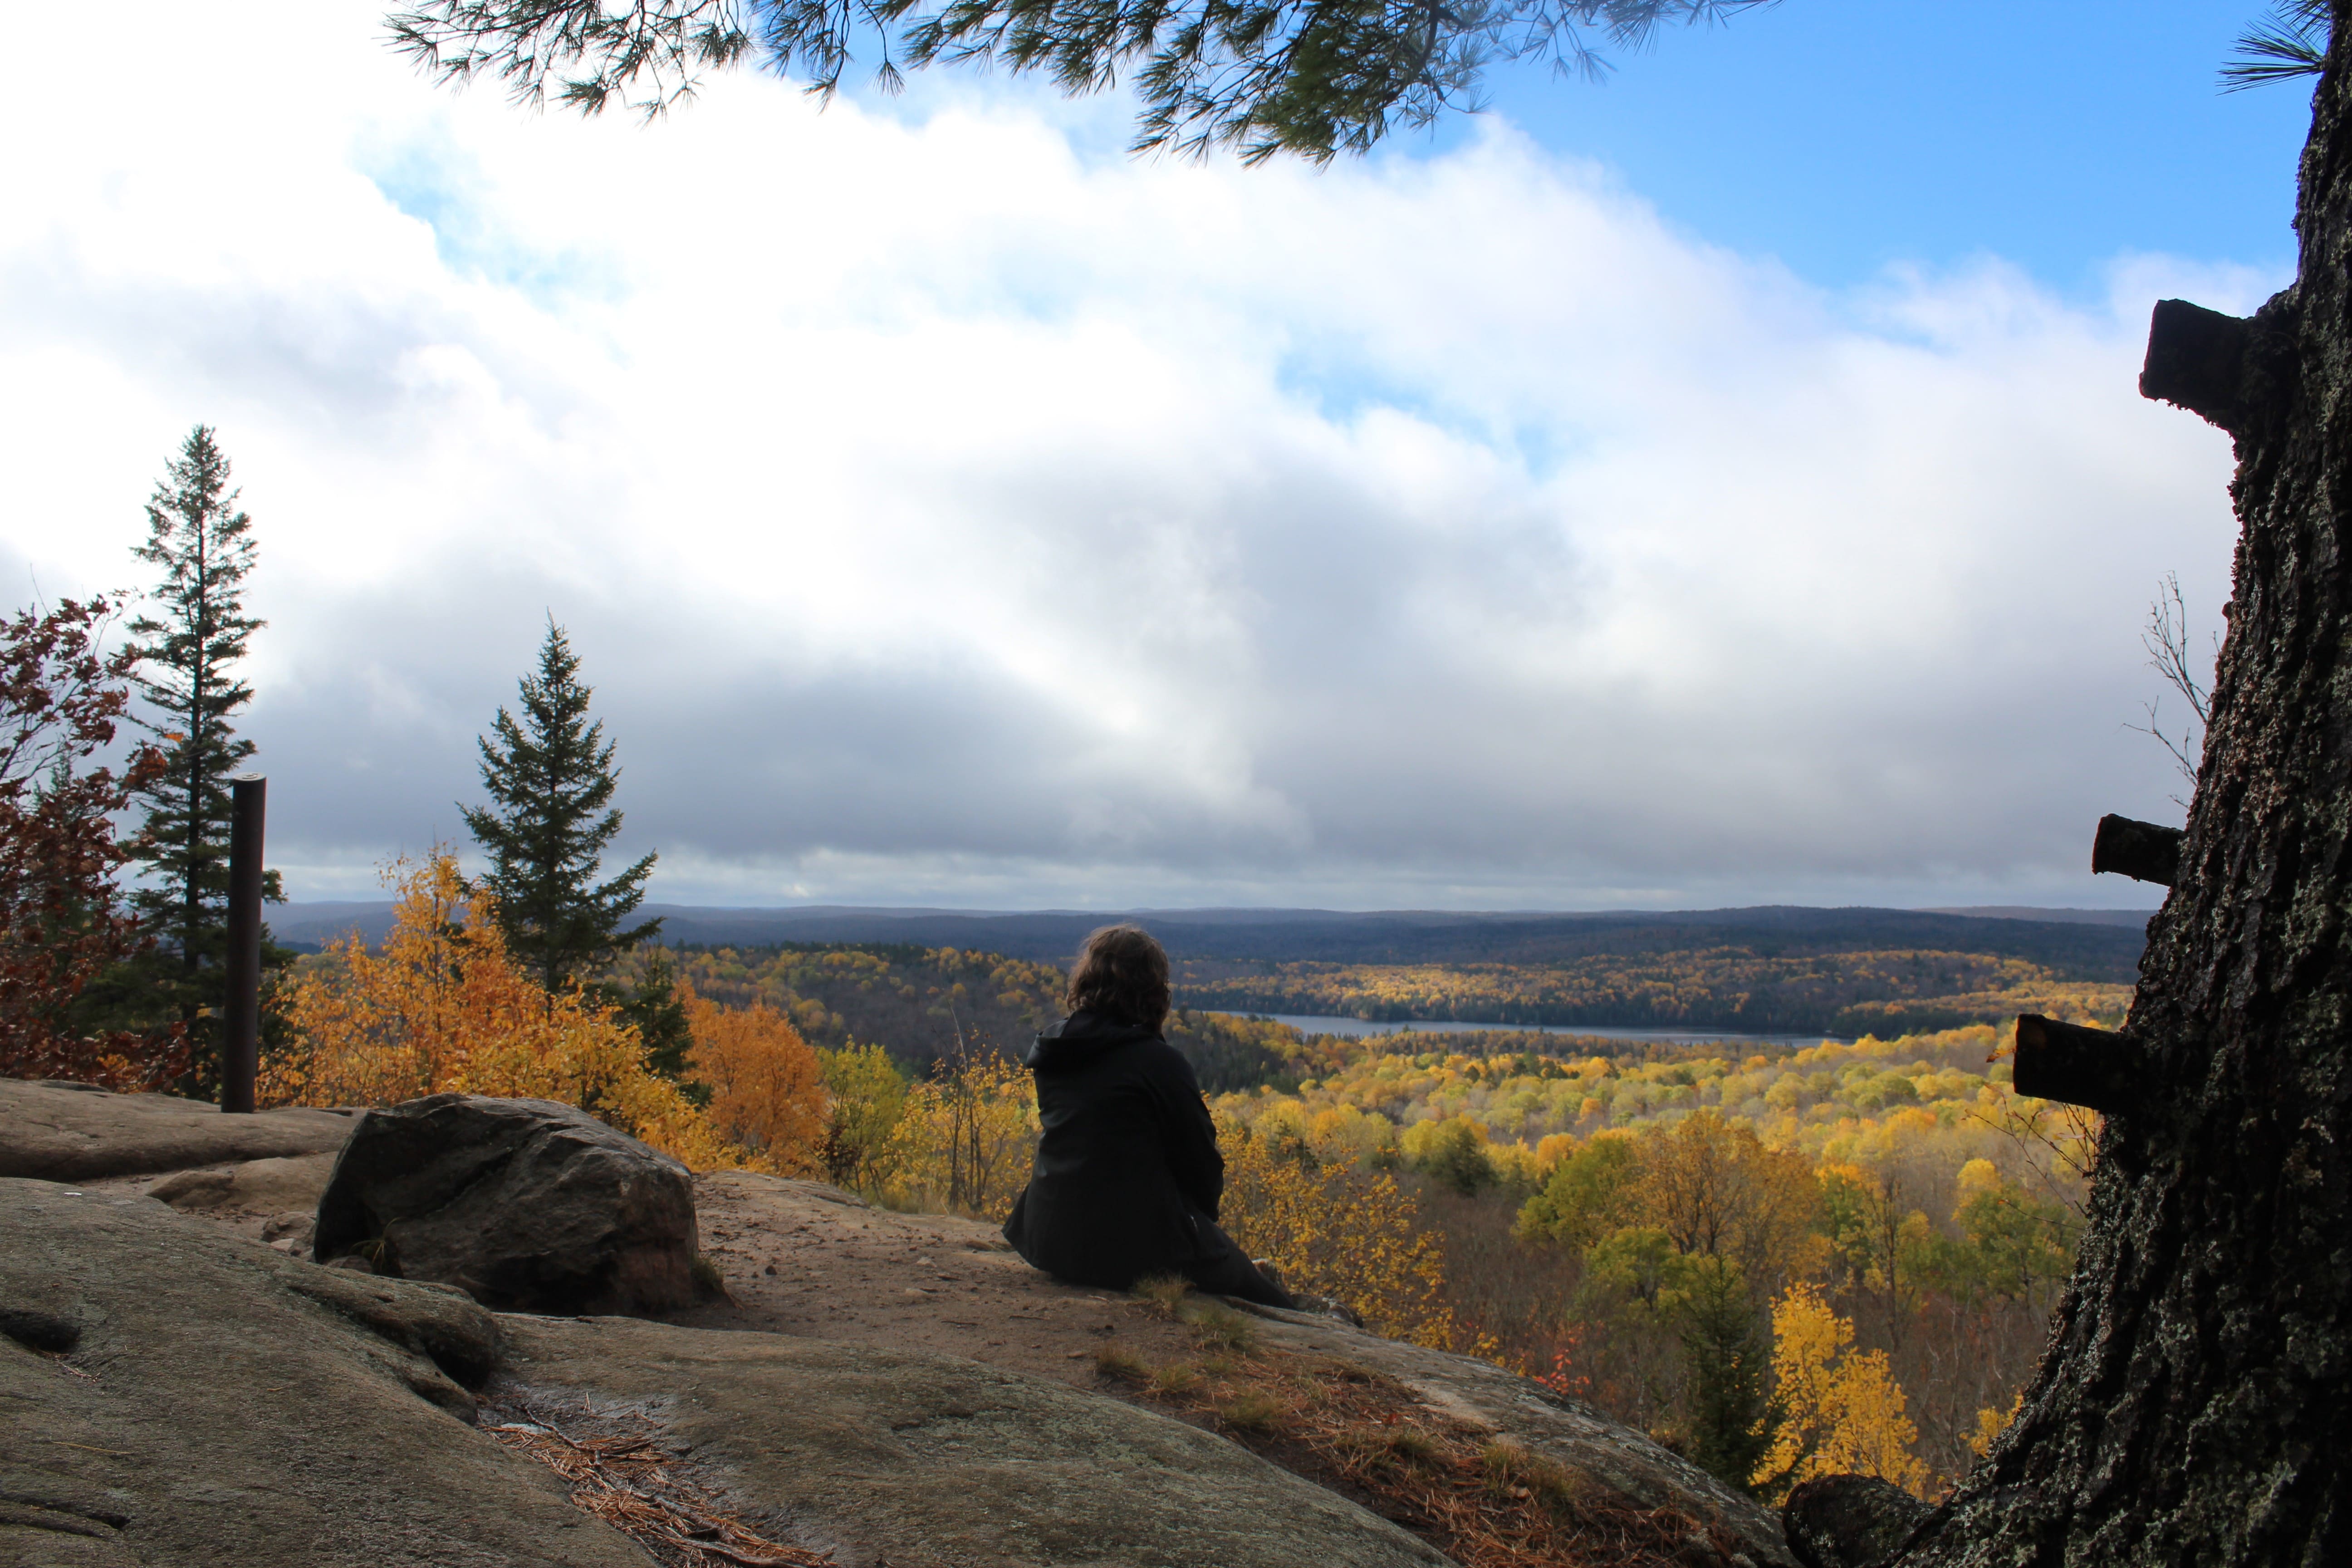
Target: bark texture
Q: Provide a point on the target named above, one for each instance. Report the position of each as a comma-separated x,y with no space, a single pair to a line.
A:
2195,1403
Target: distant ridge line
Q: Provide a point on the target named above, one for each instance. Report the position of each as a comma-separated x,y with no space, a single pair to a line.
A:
2083,944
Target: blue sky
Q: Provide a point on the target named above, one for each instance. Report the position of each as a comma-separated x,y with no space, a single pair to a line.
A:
1724,486
1844,135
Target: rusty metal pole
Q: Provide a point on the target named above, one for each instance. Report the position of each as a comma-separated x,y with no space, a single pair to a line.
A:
241,1008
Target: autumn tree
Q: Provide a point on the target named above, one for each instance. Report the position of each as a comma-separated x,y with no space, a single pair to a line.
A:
551,780
966,1133
767,1089
1336,1228
62,698
1838,1410
190,643
866,1098
441,1006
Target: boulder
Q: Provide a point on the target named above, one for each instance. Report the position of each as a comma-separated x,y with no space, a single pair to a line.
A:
525,1205
78,1132
178,1395
1850,1521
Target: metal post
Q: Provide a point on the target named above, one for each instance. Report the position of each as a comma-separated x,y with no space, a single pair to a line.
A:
241,1008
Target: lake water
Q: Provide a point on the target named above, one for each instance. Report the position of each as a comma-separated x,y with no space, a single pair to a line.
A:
1313,1024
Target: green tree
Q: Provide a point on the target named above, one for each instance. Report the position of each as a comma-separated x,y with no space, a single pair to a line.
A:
188,647
1728,1422
654,1005
865,1096
1587,1198
551,780
1452,1152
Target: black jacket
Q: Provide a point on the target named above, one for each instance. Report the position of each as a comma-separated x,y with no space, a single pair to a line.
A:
1127,1160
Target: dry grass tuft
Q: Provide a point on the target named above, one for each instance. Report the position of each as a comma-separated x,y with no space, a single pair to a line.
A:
1512,1471
1173,1379
1115,1360
1251,1410
625,1481
1167,1292
1218,1326
1221,1328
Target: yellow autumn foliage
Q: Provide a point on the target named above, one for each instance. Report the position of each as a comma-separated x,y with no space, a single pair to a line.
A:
1336,1228
442,1008
1842,1411
964,1138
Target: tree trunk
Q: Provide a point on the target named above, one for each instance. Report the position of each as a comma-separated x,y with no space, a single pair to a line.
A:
2195,1401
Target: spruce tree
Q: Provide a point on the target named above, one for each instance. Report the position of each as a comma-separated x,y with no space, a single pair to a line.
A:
551,780
654,1005
1729,1422
188,647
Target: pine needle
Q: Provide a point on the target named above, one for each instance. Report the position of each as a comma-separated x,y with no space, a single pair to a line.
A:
625,1481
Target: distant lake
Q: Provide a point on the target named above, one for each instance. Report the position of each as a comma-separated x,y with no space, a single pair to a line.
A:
1314,1023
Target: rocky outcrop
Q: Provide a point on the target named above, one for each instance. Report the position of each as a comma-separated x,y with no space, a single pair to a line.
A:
878,1456
811,1260
889,1387
525,1205
251,1186
75,1132
179,1395
175,1394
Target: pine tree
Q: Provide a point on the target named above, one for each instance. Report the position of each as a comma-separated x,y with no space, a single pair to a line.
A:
1729,1424
655,1006
551,780
188,650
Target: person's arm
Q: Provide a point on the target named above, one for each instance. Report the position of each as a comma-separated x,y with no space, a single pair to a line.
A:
1190,1133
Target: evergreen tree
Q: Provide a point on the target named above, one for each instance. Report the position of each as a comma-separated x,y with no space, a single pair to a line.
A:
1730,1422
654,1005
551,780
188,650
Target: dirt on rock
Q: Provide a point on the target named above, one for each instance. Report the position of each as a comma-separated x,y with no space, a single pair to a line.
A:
806,1260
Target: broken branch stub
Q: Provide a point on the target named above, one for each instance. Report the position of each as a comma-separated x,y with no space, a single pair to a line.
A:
2197,360
2141,850
2098,1070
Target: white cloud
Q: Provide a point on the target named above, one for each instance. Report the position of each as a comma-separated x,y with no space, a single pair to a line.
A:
948,511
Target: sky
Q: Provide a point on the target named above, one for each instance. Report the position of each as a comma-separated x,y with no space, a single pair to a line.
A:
1723,486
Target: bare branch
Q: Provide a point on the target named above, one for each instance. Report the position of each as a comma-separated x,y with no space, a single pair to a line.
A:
2166,637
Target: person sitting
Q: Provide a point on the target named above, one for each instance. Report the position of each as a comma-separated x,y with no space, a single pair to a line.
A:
1127,1176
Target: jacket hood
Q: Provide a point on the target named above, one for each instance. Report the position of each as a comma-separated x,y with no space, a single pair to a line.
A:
1081,1035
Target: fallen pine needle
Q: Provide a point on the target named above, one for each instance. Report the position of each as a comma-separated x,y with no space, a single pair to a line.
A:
625,1481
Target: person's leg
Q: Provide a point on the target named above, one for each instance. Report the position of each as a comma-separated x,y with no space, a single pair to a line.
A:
1226,1270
